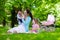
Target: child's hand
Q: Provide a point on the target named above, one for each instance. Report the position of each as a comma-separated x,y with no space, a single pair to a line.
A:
23,16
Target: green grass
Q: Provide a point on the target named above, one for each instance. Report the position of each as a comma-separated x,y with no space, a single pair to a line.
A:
40,36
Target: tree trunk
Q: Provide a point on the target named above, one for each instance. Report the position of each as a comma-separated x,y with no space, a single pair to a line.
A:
4,22
13,17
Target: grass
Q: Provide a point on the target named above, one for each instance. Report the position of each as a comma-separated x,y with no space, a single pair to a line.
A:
23,36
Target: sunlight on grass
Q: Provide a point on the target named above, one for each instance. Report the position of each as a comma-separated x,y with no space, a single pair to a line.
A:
8,39
59,38
55,34
3,34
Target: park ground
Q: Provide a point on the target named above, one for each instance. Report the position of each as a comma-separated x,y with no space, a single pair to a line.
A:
29,36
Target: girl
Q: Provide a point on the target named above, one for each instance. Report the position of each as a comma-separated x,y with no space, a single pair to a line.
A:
20,28
35,26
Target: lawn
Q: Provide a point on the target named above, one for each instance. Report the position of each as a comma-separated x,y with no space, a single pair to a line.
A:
40,36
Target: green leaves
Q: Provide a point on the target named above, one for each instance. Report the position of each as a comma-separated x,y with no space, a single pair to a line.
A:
39,8
2,9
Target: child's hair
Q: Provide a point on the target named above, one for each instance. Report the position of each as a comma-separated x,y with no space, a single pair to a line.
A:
19,10
36,21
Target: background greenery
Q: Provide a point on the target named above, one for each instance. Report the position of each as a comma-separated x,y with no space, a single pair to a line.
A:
39,8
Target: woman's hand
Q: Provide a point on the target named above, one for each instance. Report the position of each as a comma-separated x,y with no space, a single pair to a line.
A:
22,16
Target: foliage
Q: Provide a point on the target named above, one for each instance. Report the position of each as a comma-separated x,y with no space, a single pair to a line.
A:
39,8
2,11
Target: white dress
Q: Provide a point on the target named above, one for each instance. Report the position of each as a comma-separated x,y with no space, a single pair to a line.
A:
19,29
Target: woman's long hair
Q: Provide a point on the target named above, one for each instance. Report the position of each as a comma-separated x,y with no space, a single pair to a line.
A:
30,14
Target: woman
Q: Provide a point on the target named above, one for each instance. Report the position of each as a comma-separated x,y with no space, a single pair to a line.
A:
28,17
20,28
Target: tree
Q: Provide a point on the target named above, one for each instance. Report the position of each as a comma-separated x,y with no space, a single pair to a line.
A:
13,16
39,8
2,11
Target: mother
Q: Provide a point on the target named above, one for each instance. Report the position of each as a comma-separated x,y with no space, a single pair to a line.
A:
28,17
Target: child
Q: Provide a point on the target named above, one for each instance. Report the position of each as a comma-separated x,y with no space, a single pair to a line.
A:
19,17
35,26
20,28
